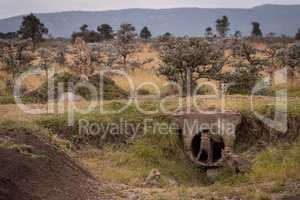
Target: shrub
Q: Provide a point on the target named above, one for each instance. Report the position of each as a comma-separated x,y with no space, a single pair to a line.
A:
186,60
143,92
7,100
110,89
11,100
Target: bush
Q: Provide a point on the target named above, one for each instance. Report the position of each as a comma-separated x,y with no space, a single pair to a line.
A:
111,90
186,60
3,91
7,100
59,125
143,92
11,100
245,79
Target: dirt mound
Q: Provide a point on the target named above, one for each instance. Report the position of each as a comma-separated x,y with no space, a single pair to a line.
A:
254,133
32,169
110,89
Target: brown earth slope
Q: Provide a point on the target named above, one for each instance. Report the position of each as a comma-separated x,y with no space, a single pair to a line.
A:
31,169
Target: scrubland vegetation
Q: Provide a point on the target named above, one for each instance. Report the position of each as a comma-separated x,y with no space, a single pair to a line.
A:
127,159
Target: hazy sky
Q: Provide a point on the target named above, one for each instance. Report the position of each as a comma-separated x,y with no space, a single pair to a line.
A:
17,7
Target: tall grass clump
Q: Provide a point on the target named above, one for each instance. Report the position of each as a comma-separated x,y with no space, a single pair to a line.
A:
277,164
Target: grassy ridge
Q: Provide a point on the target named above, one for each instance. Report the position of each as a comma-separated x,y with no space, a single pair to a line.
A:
129,161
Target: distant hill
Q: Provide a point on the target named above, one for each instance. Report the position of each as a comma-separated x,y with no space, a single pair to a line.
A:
179,21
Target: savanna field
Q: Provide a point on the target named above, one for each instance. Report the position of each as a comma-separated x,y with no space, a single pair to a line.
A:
62,137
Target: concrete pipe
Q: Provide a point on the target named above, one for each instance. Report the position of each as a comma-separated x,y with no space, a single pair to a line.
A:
207,135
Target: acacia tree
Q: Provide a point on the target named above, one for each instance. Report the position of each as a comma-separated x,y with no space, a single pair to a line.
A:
15,56
237,34
32,28
9,35
85,58
222,26
126,37
165,37
280,56
145,33
60,55
87,35
273,60
106,31
47,57
297,36
208,32
186,60
247,68
82,57
109,54
256,31
290,57
271,35
244,51
84,28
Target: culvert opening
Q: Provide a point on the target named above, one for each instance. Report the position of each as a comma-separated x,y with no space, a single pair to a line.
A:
196,144
217,148
207,148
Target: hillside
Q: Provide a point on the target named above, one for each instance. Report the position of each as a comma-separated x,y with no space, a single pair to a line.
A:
179,21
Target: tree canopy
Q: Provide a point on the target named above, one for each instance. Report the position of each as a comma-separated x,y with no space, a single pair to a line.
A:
222,26
297,37
186,60
256,31
208,32
126,36
106,31
145,33
86,34
32,28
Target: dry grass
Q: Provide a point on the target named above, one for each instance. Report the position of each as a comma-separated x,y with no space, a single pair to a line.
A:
146,74
132,163
280,164
235,103
119,164
33,82
141,77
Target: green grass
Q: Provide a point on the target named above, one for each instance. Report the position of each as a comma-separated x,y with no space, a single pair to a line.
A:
58,124
7,100
158,152
259,196
11,100
163,152
274,167
33,129
280,163
7,143
131,158
294,92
